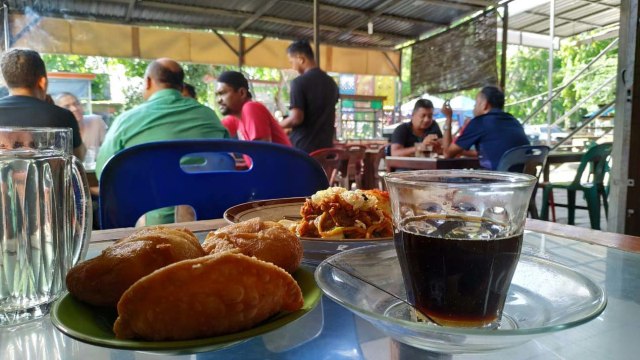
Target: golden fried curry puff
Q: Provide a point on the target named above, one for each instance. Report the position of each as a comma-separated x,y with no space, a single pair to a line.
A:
209,296
102,280
266,240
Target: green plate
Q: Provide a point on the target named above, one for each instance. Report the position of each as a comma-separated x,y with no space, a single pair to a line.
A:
94,325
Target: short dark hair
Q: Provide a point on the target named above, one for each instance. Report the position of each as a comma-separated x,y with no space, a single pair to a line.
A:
190,89
422,103
494,96
236,80
301,47
22,68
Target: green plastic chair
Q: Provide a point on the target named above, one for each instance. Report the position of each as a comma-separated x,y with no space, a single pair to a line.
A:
595,162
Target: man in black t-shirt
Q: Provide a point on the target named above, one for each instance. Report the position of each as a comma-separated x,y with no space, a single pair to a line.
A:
26,77
314,95
407,135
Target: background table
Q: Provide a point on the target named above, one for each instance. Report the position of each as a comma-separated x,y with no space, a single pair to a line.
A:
419,163
332,332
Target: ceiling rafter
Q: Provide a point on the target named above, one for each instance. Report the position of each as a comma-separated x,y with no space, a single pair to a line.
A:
272,19
132,5
354,11
378,10
256,15
561,17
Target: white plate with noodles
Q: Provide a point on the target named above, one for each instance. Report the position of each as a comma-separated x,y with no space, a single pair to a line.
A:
287,212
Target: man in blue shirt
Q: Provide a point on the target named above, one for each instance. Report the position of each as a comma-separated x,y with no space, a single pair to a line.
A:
492,130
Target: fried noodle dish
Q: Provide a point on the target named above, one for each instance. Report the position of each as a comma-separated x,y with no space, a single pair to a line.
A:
336,213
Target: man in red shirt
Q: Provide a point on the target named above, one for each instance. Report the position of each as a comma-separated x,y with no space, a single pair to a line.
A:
256,122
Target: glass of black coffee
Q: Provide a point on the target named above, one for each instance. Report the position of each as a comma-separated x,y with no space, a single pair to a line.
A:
458,235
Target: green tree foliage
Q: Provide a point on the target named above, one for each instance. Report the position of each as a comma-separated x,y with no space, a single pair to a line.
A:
527,71
84,65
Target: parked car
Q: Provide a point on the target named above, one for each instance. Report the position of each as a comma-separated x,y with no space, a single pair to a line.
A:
538,134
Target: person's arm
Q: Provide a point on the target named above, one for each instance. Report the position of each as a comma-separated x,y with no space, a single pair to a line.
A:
446,132
80,151
295,118
399,150
399,139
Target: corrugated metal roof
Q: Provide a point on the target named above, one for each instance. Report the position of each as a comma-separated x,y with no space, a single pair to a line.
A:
343,22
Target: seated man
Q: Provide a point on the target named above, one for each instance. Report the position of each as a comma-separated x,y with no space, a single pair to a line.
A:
26,106
165,115
492,130
255,120
422,129
92,127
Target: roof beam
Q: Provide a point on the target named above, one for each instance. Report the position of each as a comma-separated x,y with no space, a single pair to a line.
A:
378,10
132,4
244,15
256,16
368,14
467,5
560,17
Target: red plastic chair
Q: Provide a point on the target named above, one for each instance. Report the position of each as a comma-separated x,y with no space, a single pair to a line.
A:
355,166
332,160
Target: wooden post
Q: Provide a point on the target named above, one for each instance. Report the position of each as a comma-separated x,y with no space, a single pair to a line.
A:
505,32
241,52
624,199
316,30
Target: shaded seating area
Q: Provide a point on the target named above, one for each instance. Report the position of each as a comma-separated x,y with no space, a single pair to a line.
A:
150,176
526,160
589,179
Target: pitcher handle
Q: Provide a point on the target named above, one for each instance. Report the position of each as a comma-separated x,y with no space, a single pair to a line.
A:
82,211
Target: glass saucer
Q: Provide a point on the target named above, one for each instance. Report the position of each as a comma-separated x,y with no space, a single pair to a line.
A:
544,297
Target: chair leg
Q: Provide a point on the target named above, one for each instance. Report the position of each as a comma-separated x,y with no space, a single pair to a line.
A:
605,201
544,211
593,205
552,203
571,206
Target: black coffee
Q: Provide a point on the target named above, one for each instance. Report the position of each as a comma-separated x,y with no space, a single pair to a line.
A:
457,270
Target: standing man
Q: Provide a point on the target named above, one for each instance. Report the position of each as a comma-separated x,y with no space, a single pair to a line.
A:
492,130
256,122
165,115
314,95
26,77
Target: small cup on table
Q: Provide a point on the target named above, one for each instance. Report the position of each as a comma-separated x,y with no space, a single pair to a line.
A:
458,236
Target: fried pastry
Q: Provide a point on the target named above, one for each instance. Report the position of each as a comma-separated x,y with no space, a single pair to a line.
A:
102,280
266,240
209,296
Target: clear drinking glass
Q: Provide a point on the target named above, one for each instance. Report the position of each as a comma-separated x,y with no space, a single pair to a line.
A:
46,220
458,236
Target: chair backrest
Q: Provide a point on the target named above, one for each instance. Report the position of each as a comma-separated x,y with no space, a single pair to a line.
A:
527,159
330,159
594,161
149,176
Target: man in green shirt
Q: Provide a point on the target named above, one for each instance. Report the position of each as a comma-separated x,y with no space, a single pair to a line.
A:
165,115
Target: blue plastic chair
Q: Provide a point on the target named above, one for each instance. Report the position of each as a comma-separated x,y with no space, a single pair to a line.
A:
527,159
149,176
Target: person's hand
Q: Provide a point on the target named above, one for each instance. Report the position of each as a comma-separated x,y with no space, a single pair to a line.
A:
446,110
430,139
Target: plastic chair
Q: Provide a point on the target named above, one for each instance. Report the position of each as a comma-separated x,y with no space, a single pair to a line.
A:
355,166
331,160
149,176
595,162
526,159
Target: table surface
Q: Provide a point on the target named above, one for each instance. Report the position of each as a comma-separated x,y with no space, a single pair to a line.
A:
332,332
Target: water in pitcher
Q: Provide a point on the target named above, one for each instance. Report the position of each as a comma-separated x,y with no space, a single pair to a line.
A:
35,243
